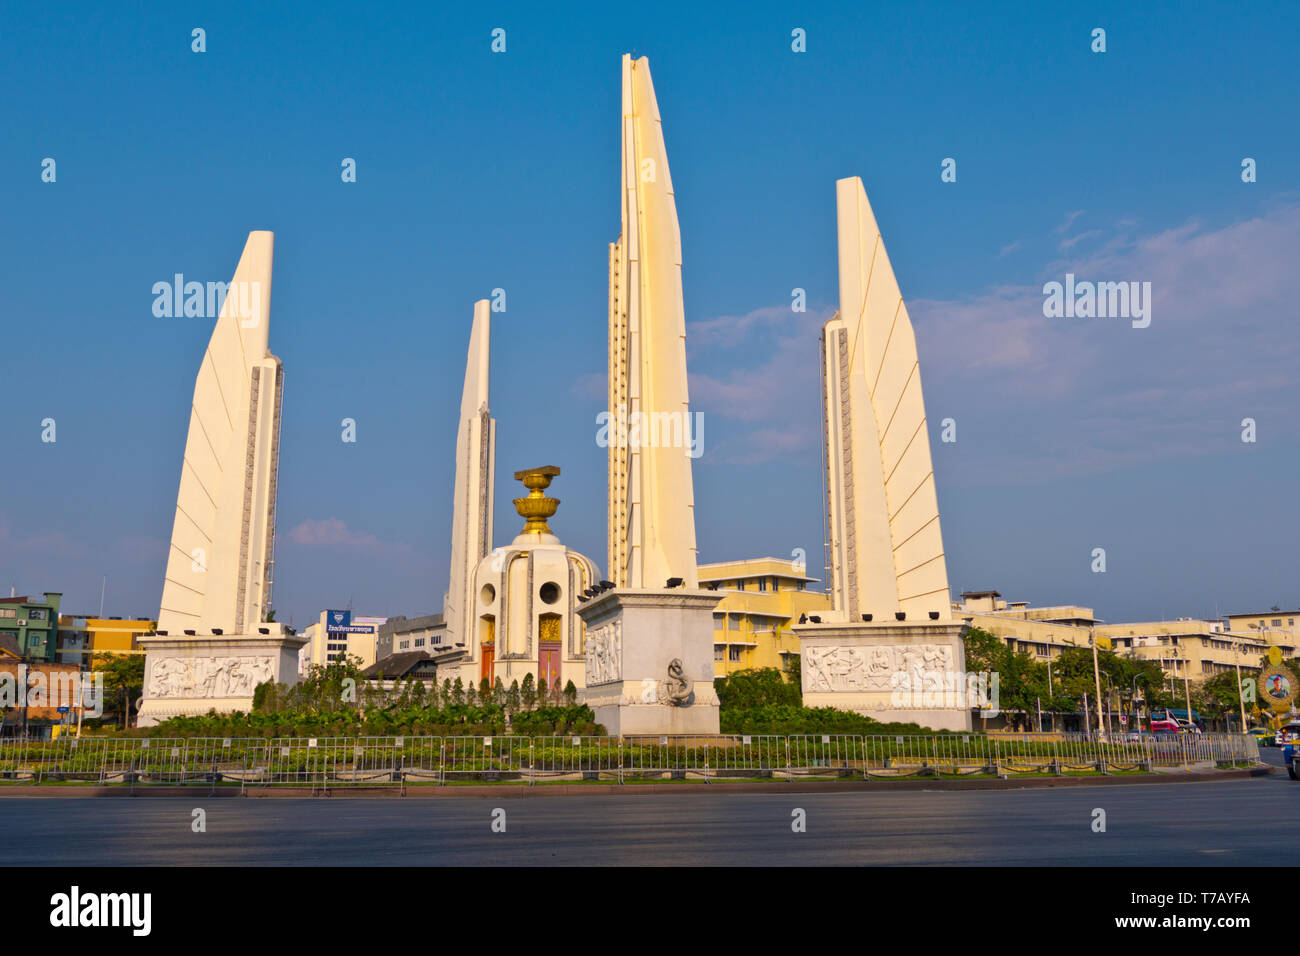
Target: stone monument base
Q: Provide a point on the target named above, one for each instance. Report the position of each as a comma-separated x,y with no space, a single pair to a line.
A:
649,661
191,675
889,671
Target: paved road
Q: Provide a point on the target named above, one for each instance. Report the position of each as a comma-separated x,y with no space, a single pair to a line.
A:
1272,755
1233,822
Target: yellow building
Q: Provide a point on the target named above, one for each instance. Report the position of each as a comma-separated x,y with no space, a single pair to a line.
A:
82,637
1273,627
1187,647
752,623
1041,632
335,634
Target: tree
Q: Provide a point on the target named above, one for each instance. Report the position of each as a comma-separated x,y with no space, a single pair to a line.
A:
984,651
570,694
793,670
512,698
528,692
754,688
123,679
1220,695
1023,683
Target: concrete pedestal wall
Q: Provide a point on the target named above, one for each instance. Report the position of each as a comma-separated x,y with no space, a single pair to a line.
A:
896,671
189,676
633,637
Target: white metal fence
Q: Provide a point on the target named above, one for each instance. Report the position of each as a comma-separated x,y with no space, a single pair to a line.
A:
339,763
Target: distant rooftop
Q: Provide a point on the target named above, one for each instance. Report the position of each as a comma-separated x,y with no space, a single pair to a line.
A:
752,567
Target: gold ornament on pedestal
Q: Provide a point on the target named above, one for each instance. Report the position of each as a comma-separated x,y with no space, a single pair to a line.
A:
536,508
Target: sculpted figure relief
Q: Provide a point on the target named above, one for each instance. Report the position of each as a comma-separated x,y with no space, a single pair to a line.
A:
605,653
208,677
831,668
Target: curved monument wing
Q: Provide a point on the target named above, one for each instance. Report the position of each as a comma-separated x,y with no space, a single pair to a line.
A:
887,548
221,554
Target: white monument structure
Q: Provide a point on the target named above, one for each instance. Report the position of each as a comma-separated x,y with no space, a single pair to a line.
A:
889,648
213,644
471,521
511,609
649,642
526,599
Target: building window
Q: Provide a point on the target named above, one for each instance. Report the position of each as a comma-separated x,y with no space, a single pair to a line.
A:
776,585
762,584
735,653
733,621
8,612
799,585
717,652
1277,621
419,642
38,614
740,585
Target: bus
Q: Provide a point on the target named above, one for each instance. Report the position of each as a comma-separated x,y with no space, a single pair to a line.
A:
1174,719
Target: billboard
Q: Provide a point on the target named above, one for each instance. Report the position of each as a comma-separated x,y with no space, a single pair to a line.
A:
340,622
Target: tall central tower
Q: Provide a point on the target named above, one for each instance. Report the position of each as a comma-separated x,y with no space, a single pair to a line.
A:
651,496
649,639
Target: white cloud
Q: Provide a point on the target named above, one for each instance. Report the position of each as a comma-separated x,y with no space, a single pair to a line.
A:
1039,397
332,532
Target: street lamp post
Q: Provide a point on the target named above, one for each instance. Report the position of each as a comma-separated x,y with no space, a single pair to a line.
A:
1133,704
1187,685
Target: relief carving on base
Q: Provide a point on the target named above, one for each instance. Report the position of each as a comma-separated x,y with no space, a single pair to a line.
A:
185,677
837,668
605,653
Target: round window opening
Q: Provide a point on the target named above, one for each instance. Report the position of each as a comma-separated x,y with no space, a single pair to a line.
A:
550,592
488,594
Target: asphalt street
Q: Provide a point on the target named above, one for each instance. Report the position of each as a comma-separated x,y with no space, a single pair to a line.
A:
1230,822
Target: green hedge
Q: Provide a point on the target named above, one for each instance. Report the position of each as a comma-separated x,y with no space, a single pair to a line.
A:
450,721
789,719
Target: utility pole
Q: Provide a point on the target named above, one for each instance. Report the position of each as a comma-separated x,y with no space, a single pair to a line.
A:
1051,694
1241,698
1096,674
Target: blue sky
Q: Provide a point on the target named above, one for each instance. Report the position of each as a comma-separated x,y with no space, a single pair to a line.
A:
479,170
